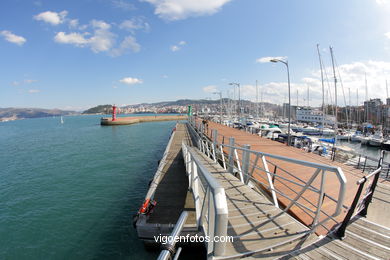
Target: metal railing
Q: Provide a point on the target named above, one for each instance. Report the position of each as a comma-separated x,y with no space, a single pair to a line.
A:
264,170
361,203
168,249
364,163
210,201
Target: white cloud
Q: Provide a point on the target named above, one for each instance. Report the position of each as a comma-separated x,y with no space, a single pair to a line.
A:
101,40
177,47
131,81
74,23
29,81
9,36
32,91
387,35
26,81
129,43
349,77
382,2
121,4
210,89
97,35
52,18
71,38
134,24
268,59
172,10
98,24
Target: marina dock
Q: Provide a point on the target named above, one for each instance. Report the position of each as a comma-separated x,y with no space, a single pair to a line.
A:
276,202
258,143
169,189
139,119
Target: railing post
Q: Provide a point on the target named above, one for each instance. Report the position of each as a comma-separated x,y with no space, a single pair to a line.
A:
358,165
231,154
215,136
270,182
245,163
341,230
195,193
211,221
221,220
273,177
373,186
388,170
364,166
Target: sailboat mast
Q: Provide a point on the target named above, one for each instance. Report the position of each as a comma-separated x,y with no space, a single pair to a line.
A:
357,106
349,110
322,84
257,101
365,79
335,90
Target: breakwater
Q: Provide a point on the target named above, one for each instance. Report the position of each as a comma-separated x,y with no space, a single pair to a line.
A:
139,119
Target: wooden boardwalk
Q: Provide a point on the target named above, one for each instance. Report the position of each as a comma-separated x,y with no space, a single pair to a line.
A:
172,195
366,238
258,143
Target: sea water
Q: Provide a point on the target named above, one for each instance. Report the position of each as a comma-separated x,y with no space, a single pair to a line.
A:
69,191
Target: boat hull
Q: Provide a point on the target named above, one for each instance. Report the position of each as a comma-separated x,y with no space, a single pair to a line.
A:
375,142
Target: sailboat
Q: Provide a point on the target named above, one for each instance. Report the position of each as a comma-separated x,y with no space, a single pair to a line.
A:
62,120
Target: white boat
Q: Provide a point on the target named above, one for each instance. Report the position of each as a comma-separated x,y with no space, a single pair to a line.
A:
344,136
356,137
327,132
376,139
310,130
386,145
270,133
62,120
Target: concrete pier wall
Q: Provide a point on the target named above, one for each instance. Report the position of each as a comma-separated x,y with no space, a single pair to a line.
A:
139,119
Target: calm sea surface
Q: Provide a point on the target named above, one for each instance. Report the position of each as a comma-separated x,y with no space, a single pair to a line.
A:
68,191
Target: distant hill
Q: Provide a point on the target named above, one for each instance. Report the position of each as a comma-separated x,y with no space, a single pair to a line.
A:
106,109
186,102
101,109
11,113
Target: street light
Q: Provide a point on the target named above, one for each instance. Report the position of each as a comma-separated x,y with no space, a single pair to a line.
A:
220,113
239,99
289,96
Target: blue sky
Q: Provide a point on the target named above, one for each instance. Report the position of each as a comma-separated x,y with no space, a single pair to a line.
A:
77,54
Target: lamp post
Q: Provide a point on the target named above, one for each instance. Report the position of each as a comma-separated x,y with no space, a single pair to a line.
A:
239,99
220,113
289,96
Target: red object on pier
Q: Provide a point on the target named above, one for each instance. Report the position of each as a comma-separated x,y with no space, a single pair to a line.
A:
113,113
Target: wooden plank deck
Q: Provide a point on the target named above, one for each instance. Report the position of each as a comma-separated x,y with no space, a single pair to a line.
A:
258,143
366,238
259,229
172,194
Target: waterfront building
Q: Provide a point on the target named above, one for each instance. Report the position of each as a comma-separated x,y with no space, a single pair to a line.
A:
309,115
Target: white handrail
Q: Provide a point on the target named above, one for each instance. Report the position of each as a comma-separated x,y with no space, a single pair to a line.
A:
201,181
